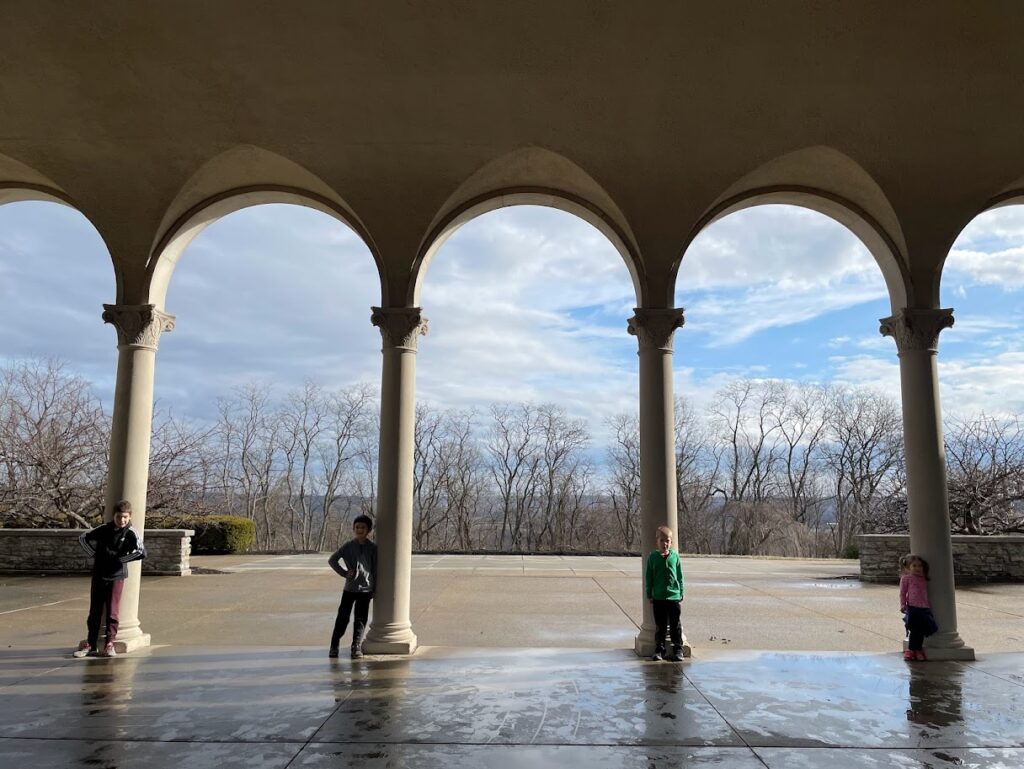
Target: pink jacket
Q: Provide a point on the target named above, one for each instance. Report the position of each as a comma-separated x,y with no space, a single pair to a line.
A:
913,592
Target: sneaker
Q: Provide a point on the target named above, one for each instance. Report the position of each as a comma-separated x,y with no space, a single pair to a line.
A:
909,656
109,651
658,656
675,656
919,654
357,653
333,652
83,650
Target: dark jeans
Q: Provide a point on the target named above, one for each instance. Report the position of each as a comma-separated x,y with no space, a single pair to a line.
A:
104,600
666,619
362,603
920,623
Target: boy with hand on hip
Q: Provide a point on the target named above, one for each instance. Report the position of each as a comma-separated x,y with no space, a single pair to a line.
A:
113,545
663,584
356,561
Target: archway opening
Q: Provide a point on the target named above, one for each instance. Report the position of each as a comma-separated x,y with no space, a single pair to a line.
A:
526,369
789,429
268,385
981,373
56,364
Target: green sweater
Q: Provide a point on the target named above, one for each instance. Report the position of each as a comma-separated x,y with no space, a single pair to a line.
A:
663,580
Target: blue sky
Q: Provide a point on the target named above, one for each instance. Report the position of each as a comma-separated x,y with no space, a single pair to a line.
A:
524,304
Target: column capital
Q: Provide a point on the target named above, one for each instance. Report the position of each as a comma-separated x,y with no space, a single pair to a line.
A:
916,328
654,328
399,327
138,325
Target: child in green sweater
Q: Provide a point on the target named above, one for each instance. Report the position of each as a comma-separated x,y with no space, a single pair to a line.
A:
663,583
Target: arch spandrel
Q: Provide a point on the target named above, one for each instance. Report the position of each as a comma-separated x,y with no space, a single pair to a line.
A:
824,180
240,178
531,176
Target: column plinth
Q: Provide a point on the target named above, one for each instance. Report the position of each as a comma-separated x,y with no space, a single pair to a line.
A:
391,631
138,333
916,332
654,329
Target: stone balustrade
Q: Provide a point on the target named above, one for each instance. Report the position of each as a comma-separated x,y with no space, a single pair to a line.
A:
56,551
975,558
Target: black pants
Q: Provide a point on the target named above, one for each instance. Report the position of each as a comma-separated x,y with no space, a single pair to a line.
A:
362,603
920,623
666,619
104,604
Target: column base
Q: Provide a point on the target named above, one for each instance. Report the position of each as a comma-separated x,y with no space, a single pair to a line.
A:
126,645
643,644
946,646
391,640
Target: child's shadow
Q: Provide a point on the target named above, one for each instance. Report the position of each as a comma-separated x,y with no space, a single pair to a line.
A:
936,695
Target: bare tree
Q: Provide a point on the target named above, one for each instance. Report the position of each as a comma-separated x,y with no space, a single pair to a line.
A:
564,476
698,480
180,468
742,417
428,484
53,447
985,457
624,479
802,416
515,468
863,452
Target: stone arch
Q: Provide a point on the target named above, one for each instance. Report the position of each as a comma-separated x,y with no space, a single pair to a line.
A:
824,180
20,183
240,178
1011,195
530,176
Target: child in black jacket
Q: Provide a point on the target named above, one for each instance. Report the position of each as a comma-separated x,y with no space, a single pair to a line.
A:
113,545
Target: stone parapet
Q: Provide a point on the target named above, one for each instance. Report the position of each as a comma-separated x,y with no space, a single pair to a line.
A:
56,551
975,558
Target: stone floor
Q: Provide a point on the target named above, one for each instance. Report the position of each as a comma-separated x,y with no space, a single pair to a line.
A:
263,707
239,675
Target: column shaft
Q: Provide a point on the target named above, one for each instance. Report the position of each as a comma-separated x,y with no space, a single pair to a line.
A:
658,505
139,328
391,629
916,333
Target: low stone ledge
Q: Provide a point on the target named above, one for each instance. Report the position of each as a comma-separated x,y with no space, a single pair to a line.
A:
976,558
56,551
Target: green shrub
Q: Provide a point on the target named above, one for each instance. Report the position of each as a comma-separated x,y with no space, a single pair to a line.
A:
216,534
850,551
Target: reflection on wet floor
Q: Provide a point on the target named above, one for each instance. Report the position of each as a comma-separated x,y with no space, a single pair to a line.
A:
444,707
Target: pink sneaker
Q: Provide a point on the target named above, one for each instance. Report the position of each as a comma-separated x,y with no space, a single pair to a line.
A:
919,655
83,650
909,656
109,651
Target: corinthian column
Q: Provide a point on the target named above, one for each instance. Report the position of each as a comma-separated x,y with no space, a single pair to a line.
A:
654,330
138,332
391,631
916,332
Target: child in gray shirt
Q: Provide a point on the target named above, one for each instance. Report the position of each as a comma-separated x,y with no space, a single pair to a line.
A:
356,561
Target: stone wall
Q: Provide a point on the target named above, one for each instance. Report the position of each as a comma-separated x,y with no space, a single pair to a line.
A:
975,558
56,551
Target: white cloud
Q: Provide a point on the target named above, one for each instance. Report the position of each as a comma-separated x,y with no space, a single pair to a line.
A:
1000,225
771,267
1003,268
994,385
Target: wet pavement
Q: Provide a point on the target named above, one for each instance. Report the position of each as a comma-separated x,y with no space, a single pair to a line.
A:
525,663
264,707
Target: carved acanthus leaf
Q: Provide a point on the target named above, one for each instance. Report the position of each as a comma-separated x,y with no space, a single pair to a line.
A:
654,328
399,326
138,325
915,328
